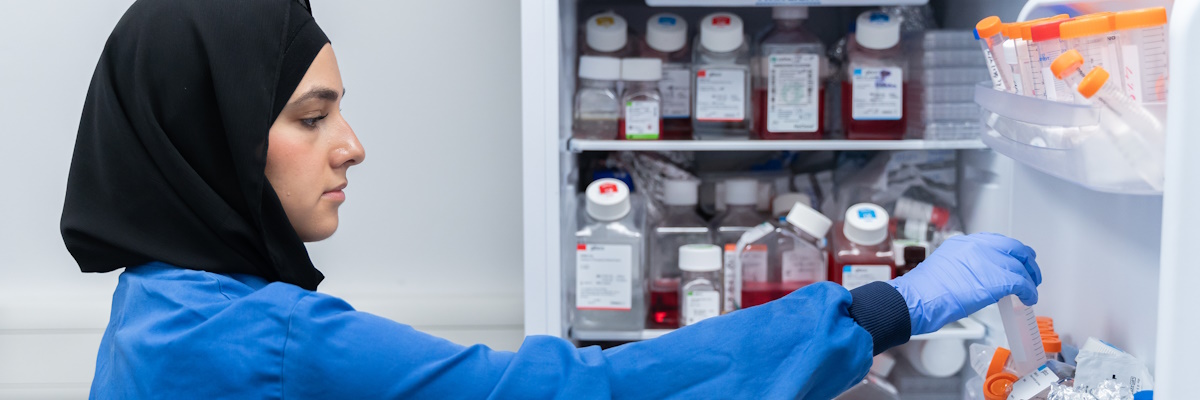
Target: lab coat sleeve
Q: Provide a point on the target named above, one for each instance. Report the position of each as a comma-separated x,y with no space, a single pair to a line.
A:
806,345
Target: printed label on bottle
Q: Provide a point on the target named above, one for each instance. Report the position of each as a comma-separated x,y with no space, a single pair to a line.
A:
792,92
641,119
720,95
878,93
854,276
754,263
804,264
604,277
994,71
733,281
699,305
676,89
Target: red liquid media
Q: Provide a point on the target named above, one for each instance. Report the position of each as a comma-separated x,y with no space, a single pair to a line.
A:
844,252
621,129
676,129
760,119
664,304
870,129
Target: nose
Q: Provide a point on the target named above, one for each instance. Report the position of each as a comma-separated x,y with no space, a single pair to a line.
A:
349,151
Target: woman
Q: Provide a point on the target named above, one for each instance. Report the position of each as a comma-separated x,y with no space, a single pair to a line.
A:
211,148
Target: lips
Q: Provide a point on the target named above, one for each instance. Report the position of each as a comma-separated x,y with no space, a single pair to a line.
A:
336,193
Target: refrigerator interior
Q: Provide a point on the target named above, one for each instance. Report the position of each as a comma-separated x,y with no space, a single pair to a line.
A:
1099,252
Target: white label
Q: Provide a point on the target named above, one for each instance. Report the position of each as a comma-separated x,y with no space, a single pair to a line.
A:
699,305
1017,82
993,71
878,93
733,281
854,276
604,277
676,89
792,92
641,119
1131,61
804,264
720,95
1035,386
754,263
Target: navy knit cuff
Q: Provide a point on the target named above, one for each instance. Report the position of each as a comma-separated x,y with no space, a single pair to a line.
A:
881,310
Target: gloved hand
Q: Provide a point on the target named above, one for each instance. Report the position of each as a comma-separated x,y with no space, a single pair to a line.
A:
966,274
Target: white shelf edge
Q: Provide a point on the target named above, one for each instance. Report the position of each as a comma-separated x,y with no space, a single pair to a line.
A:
581,145
771,3
964,329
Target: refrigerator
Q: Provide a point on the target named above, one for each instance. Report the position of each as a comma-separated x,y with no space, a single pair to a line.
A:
1114,254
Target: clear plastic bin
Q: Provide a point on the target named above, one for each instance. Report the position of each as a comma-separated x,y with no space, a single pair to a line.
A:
942,93
1061,139
951,58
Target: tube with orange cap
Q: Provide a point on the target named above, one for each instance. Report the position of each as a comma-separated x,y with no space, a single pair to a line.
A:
991,38
1045,45
1143,44
1134,131
1094,37
1028,61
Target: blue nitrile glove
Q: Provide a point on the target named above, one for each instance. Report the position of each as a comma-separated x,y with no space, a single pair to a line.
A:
966,274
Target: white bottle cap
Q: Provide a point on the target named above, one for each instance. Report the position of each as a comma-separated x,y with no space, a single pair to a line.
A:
789,12
784,201
600,68
700,258
666,32
866,224
607,32
607,199
809,220
741,192
721,32
641,69
681,192
877,30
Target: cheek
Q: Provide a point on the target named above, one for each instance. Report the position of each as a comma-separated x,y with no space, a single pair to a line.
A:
293,165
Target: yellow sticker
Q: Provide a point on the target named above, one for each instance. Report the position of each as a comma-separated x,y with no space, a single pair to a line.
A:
605,21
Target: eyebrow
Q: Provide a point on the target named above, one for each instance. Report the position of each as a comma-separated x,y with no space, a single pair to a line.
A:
322,93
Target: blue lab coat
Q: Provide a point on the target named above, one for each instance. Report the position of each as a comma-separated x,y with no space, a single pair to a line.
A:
178,333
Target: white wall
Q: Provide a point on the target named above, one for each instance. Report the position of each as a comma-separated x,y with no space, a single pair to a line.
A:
430,236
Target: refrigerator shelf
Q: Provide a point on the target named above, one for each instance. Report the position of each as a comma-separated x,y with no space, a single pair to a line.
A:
581,145
964,329
1060,139
772,3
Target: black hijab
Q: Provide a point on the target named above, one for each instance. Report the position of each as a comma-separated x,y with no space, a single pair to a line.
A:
171,152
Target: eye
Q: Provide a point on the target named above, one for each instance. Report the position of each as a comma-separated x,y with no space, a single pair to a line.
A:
312,122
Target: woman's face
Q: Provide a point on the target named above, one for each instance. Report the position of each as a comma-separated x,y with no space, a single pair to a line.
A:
310,148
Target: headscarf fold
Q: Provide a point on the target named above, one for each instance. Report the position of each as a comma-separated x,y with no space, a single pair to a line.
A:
171,151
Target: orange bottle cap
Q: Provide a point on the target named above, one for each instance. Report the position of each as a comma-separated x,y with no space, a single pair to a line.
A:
1066,63
1052,345
1141,18
1046,320
1093,82
998,386
989,26
1027,31
999,358
1089,25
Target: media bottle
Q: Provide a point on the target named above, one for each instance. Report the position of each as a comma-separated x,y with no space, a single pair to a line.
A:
608,292
680,225
862,247
667,40
789,88
794,255
597,101
641,104
721,78
700,293
873,90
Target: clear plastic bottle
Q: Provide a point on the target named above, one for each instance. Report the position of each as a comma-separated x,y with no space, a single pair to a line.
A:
667,40
608,291
641,105
680,225
862,248
795,255
789,90
873,92
607,34
700,296
1143,38
741,214
721,84
597,102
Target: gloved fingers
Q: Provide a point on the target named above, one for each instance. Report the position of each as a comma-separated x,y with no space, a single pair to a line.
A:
1026,291
1017,250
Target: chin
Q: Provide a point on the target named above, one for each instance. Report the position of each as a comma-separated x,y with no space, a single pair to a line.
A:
320,231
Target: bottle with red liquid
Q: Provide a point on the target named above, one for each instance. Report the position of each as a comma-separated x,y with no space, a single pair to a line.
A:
873,90
741,214
680,225
667,40
795,255
641,104
862,247
788,87
721,79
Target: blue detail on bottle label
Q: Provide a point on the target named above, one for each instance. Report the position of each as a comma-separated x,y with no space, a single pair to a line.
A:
846,269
